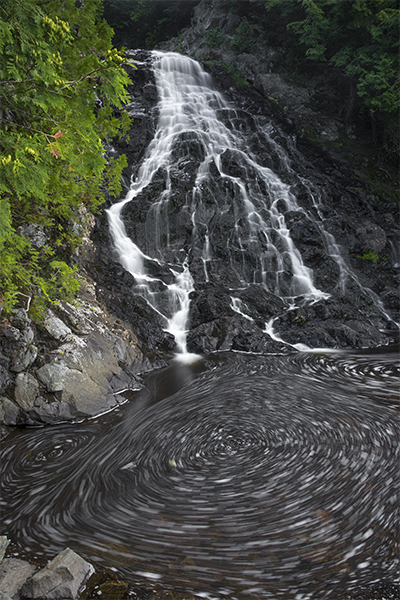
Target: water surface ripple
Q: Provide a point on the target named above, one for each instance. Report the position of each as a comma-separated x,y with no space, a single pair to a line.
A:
239,476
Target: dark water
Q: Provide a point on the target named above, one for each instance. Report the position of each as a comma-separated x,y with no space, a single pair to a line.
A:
239,476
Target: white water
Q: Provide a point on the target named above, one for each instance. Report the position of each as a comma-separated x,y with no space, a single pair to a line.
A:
188,105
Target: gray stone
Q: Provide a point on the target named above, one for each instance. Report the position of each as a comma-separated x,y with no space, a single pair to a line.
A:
4,596
27,335
60,578
83,394
3,546
57,328
23,357
5,378
19,318
9,412
13,575
10,332
26,390
52,412
53,376
34,233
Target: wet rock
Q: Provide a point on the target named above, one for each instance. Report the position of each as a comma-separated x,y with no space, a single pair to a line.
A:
13,575
208,305
331,324
113,590
60,578
371,237
231,333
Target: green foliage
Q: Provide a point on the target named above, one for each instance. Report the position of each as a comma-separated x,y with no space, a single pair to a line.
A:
145,23
235,73
371,255
361,38
214,38
244,38
61,83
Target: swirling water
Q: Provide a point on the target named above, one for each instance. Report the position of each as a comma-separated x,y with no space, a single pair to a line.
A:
237,476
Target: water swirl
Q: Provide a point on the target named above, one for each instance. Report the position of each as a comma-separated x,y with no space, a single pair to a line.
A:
270,477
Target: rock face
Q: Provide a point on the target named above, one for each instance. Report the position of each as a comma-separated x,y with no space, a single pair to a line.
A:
84,357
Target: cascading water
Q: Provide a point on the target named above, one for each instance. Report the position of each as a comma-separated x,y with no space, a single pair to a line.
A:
259,245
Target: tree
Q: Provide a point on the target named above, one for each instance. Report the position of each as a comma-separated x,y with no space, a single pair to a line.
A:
359,38
61,83
145,23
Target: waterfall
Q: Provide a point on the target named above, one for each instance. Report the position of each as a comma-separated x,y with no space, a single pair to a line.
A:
213,208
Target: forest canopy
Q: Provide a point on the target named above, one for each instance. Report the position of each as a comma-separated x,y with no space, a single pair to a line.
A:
145,23
61,81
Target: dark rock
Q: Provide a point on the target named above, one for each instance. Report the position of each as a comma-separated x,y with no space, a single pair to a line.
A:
10,413
5,379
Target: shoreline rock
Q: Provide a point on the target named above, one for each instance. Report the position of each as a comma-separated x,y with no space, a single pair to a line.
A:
63,577
83,358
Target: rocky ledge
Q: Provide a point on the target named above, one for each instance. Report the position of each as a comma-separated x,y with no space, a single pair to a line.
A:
72,366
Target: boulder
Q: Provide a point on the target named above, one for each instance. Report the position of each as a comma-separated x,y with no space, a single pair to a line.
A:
26,390
57,328
13,575
10,413
24,355
61,578
83,395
